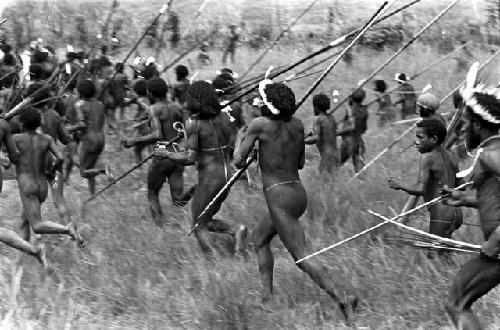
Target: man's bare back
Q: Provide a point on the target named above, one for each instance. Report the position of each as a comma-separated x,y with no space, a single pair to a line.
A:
282,145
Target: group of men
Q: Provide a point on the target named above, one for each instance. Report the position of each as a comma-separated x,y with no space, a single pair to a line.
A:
218,140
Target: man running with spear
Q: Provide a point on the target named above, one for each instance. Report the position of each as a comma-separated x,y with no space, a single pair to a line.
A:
209,135
281,155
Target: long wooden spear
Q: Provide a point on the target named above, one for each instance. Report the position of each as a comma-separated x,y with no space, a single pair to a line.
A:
318,81
366,231
415,124
161,12
398,52
295,76
278,38
337,42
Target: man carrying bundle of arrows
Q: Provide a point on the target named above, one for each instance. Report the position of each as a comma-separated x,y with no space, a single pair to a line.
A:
281,155
479,275
209,135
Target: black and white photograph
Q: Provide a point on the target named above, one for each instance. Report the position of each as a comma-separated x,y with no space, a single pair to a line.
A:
249,164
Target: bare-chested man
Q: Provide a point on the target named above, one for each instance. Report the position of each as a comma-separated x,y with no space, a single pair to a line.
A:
482,273
162,114
324,134
141,118
354,125
7,236
30,169
51,124
91,120
438,169
281,155
385,109
209,139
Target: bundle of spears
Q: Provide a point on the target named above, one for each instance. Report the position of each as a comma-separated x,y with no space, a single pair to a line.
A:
429,243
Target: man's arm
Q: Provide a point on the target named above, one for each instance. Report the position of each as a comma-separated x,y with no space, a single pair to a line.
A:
418,189
12,151
56,152
246,144
81,124
152,137
62,133
189,156
315,134
302,157
348,123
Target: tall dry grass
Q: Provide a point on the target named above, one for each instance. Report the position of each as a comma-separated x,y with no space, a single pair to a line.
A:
134,275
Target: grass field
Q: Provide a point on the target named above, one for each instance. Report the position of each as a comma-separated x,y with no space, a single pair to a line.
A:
134,275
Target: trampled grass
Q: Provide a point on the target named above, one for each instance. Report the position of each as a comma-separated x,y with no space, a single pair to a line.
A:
134,275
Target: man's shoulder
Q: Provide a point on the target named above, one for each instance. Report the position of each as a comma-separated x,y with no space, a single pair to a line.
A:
4,125
490,156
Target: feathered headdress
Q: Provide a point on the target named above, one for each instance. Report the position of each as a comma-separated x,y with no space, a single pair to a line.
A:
262,92
483,101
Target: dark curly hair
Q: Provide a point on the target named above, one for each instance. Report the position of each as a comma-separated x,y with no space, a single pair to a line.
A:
203,100
157,87
282,98
433,127
30,118
358,95
380,86
181,71
141,87
86,88
36,71
321,102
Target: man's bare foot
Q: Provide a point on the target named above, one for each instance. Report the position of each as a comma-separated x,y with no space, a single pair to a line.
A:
109,174
75,235
158,221
240,239
348,307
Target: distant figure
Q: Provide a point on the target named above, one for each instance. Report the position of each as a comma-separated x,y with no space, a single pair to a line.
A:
405,96
182,85
324,134
230,44
385,110
173,27
464,59
354,126
203,57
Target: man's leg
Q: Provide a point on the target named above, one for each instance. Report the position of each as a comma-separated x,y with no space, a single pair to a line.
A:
15,241
176,182
32,211
69,152
202,197
476,278
262,237
59,200
157,173
286,204
89,155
